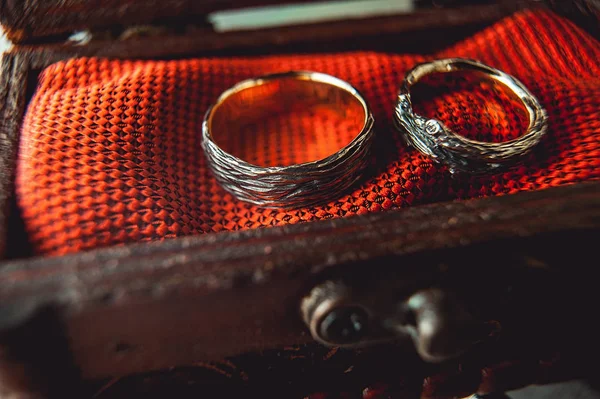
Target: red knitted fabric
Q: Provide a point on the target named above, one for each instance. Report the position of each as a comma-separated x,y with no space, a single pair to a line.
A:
110,150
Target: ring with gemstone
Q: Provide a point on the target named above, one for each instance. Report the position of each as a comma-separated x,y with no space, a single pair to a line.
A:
461,154
254,102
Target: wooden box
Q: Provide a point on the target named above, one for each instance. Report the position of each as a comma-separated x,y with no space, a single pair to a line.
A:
147,307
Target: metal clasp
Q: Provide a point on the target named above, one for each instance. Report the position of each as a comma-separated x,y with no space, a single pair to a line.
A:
338,314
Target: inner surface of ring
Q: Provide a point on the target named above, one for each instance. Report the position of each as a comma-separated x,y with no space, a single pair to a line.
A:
471,104
286,121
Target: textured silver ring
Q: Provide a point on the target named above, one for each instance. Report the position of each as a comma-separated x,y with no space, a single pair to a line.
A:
296,185
461,154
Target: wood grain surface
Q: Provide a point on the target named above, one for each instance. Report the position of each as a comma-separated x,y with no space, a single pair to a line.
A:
248,284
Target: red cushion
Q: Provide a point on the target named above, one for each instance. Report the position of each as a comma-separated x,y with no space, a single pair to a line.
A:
110,150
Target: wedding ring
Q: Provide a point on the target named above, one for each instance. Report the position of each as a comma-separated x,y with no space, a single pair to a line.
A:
461,154
295,185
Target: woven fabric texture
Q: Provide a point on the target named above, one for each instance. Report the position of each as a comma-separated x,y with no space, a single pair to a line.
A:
110,150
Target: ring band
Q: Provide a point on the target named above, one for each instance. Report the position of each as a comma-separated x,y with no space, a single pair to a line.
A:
295,185
460,154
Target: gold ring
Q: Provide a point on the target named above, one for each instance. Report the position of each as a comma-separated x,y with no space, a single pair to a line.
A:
250,103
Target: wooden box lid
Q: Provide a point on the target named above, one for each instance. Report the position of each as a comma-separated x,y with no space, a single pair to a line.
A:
35,21
30,19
